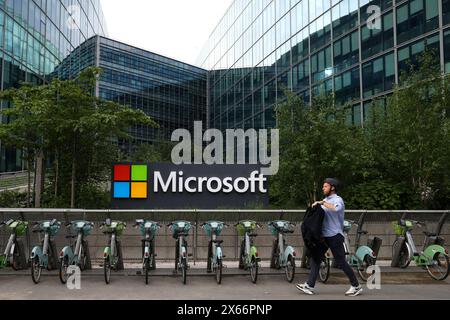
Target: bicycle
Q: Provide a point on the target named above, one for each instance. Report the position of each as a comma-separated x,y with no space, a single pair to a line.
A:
77,255
215,255
434,257
148,230
282,257
324,267
180,230
14,254
248,257
112,252
364,256
44,255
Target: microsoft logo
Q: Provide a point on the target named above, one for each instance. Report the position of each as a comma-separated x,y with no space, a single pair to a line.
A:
130,181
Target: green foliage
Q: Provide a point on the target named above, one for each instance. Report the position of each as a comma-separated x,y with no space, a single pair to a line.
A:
74,128
400,159
13,199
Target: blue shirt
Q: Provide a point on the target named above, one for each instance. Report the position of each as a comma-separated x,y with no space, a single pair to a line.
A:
333,222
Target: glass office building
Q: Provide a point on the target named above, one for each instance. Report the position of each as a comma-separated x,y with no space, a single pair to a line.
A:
356,48
35,36
173,93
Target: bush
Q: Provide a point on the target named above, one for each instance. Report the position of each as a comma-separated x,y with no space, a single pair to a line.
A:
13,199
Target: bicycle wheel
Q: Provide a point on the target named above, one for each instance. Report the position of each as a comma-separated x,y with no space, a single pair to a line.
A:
147,268
324,270
184,270
242,255
439,267
210,257
107,270
63,266
36,270
403,253
14,260
362,269
275,254
254,270
82,259
290,269
219,271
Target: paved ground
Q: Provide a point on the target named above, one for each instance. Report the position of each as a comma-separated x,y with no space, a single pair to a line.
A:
412,283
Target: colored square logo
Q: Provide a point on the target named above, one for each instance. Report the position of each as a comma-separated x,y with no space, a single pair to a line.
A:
122,172
139,173
122,190
139,190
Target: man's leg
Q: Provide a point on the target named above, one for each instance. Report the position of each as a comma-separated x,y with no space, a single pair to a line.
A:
314,262
336,245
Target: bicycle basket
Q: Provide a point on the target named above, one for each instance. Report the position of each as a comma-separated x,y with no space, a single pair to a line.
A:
208,227
85,225
398,229
181,226
54,229
21,228
244,226
117,227
149,224
280,225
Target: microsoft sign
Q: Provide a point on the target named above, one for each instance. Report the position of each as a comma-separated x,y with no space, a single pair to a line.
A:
170,186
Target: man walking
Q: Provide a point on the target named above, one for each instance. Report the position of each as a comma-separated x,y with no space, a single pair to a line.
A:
333,235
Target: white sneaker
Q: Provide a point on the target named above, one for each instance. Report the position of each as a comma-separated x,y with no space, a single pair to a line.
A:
305,288
354,291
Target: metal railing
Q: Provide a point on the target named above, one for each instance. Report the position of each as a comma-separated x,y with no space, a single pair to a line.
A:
197,238
14,180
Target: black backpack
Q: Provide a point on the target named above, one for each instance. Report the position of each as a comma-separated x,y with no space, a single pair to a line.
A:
312,227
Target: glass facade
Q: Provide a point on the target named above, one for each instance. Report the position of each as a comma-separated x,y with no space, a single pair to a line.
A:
262,47
173,93
35,37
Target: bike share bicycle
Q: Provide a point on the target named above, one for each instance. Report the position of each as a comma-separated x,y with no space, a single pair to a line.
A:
112,254
14,254
78,254
180,230
364,256
148,230
433,257
282,256
215,255
248,257
44,255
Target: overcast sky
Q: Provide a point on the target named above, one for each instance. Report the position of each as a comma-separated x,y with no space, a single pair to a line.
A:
174,28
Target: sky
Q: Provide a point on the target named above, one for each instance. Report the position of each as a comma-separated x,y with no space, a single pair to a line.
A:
174,28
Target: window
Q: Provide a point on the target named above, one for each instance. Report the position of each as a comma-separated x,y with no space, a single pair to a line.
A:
300,76
374,41
300,46
347,86
345,17
378,75
321,65
409,54
416,17
447,50
346,52
446,11
320,32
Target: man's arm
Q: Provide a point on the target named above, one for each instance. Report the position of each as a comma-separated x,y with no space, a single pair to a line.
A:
327,205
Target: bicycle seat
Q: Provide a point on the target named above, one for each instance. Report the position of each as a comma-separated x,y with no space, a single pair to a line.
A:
252,235
71,236
363,232
430,234
218,241
182,234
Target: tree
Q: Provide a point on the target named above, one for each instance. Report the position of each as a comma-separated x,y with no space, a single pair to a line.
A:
410,137
65,121
315,143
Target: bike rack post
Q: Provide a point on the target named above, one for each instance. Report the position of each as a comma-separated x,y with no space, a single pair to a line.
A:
195,236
